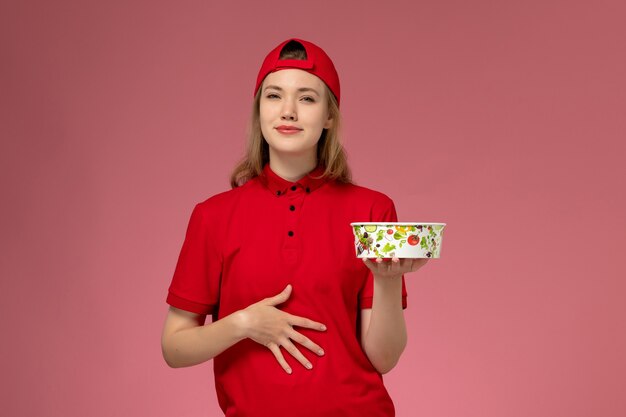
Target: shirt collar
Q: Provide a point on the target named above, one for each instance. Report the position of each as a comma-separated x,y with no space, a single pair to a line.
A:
280,186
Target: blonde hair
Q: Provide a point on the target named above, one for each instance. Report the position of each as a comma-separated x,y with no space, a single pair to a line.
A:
330,151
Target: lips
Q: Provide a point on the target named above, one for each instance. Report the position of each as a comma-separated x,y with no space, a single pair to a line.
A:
284,128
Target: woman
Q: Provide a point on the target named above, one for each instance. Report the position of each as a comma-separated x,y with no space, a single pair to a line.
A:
277,252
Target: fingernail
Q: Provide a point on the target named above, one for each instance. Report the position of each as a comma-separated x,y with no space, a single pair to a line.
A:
288,370
323,327
321,352
309,366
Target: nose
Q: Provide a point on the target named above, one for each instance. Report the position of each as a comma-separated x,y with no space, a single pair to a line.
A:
288,111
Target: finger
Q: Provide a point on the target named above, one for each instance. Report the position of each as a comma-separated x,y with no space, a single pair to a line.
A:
395,265
383,265
380,265
418,263
279,356
371,264
290,347
406,265
281,297
304,322
306,342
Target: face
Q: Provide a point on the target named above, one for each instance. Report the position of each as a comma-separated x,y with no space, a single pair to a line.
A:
293,97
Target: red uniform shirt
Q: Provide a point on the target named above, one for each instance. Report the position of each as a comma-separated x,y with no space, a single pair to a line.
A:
247,244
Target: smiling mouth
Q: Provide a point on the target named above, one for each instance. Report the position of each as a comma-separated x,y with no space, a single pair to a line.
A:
289,131
288,128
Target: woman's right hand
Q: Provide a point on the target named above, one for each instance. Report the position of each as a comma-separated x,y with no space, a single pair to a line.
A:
272,328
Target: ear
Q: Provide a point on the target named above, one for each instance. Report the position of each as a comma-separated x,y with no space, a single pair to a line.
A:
329,123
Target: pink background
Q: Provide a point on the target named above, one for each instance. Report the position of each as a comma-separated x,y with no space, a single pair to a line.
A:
117,117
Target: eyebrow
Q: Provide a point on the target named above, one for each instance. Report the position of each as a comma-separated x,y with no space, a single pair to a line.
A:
275,87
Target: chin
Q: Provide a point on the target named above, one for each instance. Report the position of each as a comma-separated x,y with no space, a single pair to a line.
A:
294,149
288,142
290,151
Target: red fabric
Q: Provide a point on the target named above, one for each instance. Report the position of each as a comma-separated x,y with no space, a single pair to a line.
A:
237,251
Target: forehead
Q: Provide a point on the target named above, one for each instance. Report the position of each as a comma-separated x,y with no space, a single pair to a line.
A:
293,78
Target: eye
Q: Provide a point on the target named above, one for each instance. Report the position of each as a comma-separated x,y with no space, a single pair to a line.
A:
307,98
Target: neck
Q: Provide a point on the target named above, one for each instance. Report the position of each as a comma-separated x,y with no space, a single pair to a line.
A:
292,168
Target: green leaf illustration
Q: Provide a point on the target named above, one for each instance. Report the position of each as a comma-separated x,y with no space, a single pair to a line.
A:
389,247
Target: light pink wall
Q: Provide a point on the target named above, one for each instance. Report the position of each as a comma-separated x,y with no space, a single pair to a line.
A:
505,117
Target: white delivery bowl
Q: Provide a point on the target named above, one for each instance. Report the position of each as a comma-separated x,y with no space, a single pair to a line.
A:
402,240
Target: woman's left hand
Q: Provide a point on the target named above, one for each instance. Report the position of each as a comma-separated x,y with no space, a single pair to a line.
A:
394,268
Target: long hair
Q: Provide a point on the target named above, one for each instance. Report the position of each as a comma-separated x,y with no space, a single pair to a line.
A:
330,151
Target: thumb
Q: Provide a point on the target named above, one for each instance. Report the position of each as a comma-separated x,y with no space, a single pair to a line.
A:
281,297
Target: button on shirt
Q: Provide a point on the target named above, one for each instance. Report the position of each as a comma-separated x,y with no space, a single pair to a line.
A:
247,244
